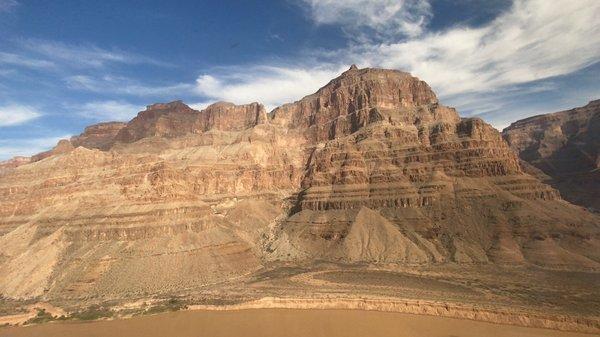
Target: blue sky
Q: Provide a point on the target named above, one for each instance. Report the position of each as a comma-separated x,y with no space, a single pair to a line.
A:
68,64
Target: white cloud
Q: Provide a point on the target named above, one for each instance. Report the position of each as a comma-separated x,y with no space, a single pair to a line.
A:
11,115
109,110
383,19
200,105
271,86
24,61
13,147
532,41
122,85
84,55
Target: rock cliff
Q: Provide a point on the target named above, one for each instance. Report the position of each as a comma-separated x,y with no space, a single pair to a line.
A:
177,119
369,169
98,136
565,146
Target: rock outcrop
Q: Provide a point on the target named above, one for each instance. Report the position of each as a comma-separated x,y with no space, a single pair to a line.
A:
360,97
565,147
177,119
98,136
12,163
63,146
369,169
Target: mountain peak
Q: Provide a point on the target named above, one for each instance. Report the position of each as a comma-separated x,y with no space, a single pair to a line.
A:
166,106
359,97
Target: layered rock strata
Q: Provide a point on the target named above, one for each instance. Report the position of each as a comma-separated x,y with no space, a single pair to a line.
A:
564,150
369,169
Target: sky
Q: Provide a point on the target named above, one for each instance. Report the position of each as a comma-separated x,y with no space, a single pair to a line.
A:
68,64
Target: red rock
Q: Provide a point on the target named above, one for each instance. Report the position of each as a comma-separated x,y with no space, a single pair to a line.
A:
177,119
370,169
63,146
565,146
360,97
98,136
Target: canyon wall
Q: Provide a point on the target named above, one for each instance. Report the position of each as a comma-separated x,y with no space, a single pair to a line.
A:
563,150
372,168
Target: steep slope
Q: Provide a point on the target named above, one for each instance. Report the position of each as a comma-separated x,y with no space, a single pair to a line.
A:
9,165
369,169
451,185
565,147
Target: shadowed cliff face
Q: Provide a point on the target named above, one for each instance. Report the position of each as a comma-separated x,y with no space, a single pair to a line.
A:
565,147
369,169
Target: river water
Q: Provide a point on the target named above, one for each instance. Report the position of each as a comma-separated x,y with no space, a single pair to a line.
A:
281,322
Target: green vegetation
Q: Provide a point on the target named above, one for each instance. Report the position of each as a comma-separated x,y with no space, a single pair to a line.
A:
173,304
41,317
92,313
96,312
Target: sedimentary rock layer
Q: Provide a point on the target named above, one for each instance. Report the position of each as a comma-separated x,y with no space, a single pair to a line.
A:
565,147
369,169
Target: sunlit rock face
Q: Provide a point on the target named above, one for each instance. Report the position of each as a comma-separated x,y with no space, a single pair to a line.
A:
98,136
360,97
369,169
177,119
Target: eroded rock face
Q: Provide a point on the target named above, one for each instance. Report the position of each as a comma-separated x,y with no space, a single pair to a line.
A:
162,120
98,136
451,187
226,116
370,169
63,146
565,146
177,119
360,97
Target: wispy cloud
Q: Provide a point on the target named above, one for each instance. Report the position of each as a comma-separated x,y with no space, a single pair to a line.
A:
12,59
369,19
108,110
124,86
13,147
268,85
11,115
84,55
532,41
200,105
7,72
473,67
8,5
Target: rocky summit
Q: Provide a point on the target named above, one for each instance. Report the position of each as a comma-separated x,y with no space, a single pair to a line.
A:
371,170
563,150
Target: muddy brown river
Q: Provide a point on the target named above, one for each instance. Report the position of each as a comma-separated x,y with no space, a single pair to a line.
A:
281,322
